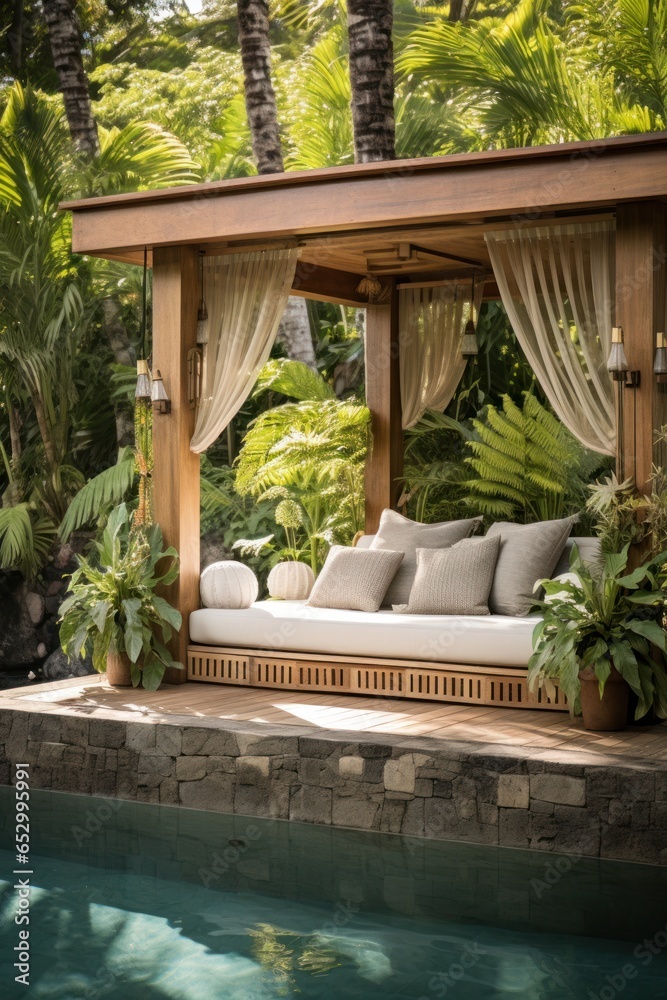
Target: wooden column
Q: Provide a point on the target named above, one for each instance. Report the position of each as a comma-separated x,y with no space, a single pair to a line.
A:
176,468
641,256
384,464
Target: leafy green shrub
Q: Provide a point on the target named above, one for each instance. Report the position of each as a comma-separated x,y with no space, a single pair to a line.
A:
311,451
608,616
112,606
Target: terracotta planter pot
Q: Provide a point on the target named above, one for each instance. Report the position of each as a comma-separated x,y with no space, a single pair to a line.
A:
118,670
609,713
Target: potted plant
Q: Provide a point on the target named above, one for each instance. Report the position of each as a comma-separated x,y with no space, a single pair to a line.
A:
112,609
602,636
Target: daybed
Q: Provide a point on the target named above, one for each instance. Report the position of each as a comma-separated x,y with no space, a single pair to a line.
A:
287,644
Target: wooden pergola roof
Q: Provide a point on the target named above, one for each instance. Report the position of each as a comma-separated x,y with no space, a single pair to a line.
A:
410,219
407,220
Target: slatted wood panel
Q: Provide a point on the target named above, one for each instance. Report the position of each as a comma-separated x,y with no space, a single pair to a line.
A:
464,684
203,665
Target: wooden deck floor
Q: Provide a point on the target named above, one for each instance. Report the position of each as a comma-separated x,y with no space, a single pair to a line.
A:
546,730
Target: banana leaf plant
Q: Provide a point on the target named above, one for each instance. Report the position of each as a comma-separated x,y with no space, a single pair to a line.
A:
112,606
604,615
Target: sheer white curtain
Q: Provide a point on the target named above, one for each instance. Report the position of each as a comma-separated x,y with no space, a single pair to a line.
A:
245,296
557,285
432,321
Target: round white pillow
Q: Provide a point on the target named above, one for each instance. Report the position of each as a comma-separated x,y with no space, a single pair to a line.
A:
228,584
291,581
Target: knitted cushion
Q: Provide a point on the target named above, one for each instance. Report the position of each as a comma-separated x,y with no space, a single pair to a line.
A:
354,579
528,553
400,534
454,581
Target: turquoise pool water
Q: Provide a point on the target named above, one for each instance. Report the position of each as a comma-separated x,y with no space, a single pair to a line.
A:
139,901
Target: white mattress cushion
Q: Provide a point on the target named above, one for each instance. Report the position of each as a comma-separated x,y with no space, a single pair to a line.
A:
483,640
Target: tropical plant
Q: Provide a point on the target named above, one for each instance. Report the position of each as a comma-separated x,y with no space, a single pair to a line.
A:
434,487
528,466
112,607
310,451
614,507
52,364
238,521
604,616
520,80
623,515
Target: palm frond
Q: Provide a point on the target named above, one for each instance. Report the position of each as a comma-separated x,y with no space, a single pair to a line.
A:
100,494
25,539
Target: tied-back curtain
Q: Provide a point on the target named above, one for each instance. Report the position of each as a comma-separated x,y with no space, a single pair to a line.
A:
557,286
432,321
245,295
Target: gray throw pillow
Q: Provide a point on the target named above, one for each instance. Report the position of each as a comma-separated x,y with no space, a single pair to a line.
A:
400,534
354,579
528,553
455,581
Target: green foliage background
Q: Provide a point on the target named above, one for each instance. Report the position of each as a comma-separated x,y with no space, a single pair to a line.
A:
167,93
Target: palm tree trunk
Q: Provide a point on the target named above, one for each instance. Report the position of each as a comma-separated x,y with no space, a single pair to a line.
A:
294,332
369,26
14,416
44,431
65,37
260,98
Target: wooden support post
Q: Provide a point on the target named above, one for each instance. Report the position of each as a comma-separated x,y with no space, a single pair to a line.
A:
176,468
384,464
641,265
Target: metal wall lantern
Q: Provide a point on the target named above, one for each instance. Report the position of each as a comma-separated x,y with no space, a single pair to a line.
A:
159,397
660,362
617,362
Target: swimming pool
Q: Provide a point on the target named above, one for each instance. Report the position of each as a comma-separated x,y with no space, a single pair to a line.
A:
131,900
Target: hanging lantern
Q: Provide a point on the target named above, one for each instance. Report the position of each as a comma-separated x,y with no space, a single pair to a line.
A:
159,396
370,287
202,314
469,345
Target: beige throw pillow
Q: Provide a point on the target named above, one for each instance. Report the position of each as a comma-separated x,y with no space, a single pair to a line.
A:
354,579
455,581
400,534
528,553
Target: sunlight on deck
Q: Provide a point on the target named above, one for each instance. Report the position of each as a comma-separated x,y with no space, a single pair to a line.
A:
93,698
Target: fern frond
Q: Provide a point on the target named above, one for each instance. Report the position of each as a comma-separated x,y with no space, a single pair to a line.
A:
527,462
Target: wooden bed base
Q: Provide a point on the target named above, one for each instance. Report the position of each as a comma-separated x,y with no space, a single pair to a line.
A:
505,687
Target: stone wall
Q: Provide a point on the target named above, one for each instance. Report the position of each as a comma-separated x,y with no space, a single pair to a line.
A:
568,802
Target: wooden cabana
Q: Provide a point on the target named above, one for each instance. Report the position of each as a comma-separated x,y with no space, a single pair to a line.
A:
411,221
